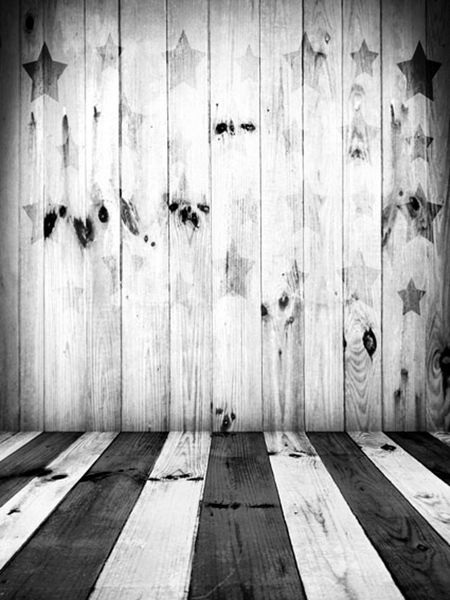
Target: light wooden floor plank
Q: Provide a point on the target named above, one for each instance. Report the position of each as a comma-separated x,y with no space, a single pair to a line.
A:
153,555
10,442
427,493
433,454
24,513
340,562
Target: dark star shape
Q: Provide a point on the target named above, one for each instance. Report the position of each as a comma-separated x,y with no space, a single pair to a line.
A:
249,64
109,53
312,61
236,271
420,143
45,73
422,214
411,297
419,73
183,61
359,279
364,59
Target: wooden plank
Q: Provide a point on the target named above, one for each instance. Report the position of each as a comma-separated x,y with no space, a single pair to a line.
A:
65,379
235,181
13,443
282,215
417,557
189,205
21,516
443,436
334,556
242,548
30,461
166,511
10,103
100,239
432,453
438,192
428,494
90,517
322,172
31,219
406,253
145,277
362,210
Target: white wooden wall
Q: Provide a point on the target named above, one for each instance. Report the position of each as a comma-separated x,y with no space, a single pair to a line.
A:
224,214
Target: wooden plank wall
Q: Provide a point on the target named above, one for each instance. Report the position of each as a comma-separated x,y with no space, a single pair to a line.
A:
227,215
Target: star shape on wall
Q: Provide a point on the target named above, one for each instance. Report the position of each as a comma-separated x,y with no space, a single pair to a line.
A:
249,64
364,59
109,53
411,297
422,214
45,73
183,61
420,143
359,279
312,61
419,73
237,269
33,212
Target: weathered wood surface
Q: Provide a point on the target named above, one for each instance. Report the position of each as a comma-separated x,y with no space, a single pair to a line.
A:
153,555
9,443
393,526
443,436
334,556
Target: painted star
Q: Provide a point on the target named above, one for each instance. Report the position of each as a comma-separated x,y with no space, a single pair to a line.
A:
236,271
109,53
359,279
249,64
45,73
183,61
422,214
33,212
364,59
411,297
420,143
419,73
312,61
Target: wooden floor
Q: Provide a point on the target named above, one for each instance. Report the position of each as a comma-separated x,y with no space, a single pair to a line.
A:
139,516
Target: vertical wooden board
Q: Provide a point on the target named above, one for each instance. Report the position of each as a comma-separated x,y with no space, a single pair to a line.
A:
282,310
322,163
406,253
188,204
438,320
145,294
235,181
64,202
98,238
31,290
9,216
362,209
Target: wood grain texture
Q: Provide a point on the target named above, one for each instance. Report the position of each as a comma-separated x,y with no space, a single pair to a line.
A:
334,556
406,256
242,548
188,204
424,447
9,214
21,516
90,517
103,252
145,278
322,164
428,494
167,513
235,181
10,444
65,366
31,218
443,436
362,209
438,192
417,557
282,274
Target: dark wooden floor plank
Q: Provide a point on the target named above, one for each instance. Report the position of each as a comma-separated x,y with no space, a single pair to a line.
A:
65,556
428,450
31,461
415,554
242,549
